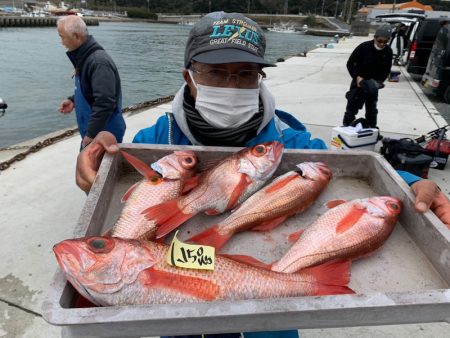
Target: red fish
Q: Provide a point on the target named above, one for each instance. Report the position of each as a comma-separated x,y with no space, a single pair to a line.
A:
221,188
349,231
113,271
287,195
176,168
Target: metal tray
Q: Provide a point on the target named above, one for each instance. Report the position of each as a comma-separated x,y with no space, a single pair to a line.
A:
406,281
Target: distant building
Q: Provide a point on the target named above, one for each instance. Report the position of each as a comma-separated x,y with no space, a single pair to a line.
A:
370,12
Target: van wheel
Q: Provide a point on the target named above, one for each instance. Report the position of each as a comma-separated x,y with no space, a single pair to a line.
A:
447,95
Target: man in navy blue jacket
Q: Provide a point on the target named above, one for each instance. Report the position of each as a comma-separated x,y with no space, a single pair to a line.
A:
98,97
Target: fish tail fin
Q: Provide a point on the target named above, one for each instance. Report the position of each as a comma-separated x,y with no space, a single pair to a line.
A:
211,237
332,277
167,215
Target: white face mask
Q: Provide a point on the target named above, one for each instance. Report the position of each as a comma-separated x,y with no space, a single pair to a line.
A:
376,46
226,107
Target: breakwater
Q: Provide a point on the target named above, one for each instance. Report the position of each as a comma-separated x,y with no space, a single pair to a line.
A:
20,21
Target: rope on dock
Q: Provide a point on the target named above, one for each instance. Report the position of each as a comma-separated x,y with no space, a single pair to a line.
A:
68,133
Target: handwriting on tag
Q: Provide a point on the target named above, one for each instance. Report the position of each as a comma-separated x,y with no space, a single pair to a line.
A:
191,256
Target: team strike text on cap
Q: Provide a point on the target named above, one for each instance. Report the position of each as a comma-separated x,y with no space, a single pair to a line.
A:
221,37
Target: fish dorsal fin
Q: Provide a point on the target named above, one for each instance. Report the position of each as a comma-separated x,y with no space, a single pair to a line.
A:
249,260
334,203
294,237
350,219
206,165
139,165
129,192
269,225
199,288
243,184
280,184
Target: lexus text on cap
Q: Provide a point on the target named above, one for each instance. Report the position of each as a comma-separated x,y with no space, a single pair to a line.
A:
384,31
221,37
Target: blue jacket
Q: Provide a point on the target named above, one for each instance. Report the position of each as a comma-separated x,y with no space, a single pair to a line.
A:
291,132
286,129
98,95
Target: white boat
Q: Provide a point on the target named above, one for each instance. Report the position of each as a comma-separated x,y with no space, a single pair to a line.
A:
282,28
287,28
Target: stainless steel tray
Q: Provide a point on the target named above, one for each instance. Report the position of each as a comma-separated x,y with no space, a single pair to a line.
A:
406,281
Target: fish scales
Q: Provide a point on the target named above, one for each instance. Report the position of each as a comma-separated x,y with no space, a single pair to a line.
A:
287,195
350,230
113,271
132,223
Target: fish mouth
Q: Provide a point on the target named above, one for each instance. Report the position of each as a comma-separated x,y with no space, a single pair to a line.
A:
314,170
67,253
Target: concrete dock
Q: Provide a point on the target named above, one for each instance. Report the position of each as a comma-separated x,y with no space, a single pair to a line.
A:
40,203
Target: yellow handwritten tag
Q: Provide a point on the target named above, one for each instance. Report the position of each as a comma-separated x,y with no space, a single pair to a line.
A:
191,256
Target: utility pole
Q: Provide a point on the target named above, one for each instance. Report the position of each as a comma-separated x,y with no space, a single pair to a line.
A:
393,6
148,6
336,10
248,6
344,11
285,6
323,4
350,11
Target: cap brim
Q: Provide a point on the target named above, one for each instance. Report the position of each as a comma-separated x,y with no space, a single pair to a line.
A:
230,55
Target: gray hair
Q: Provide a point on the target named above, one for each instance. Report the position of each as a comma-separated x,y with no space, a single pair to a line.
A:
73,24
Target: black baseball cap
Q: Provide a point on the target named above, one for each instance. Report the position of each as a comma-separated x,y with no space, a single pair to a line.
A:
221,37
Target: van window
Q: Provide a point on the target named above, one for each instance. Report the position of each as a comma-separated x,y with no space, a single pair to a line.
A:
428,30
438,53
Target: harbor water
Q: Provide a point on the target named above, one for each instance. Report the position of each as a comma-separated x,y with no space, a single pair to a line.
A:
36,74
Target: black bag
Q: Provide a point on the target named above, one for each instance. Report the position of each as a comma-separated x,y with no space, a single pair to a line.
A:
406,154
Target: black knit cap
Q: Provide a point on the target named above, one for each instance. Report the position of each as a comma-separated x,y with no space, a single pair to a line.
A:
221,37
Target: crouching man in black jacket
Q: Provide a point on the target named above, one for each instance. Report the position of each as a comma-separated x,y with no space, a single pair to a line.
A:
369,65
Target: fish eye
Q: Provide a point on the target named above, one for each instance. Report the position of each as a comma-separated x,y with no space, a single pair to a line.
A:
259,150
393,206
100,244
188,162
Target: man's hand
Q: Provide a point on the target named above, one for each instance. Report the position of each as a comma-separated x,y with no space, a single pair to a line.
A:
428,196
358,81
86,140
66,107
89,159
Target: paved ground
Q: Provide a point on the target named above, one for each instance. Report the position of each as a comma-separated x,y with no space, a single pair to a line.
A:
40,203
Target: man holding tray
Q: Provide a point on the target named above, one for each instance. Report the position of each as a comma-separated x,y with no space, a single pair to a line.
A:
224,102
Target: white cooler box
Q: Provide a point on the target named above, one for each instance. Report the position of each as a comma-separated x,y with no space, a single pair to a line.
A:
353,138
